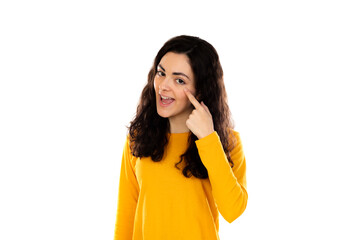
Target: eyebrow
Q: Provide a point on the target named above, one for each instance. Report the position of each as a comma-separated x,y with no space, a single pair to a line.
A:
174,73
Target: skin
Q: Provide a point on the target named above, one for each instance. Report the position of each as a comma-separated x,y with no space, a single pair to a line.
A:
200,121
181,113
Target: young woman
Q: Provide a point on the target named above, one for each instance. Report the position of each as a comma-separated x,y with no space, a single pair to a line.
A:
182,162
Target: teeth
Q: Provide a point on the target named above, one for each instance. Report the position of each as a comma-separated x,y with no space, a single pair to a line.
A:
165,97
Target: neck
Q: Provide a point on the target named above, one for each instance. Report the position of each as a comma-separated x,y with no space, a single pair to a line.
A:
178,124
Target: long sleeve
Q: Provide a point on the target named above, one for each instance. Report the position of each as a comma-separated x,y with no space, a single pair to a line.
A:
228,184
127,197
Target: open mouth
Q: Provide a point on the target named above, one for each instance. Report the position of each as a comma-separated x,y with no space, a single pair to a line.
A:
166,101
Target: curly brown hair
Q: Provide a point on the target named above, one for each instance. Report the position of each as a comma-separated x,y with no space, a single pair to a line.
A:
148,132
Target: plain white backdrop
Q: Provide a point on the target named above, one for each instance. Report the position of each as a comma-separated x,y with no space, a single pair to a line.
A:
71,75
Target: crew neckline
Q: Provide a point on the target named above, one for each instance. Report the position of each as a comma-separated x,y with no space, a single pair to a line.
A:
179,134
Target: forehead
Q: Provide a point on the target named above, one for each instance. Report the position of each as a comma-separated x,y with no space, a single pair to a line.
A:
176,62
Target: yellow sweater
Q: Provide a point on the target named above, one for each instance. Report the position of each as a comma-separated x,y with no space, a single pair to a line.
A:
157,202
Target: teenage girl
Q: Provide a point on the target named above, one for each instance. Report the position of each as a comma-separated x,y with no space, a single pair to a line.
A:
182,162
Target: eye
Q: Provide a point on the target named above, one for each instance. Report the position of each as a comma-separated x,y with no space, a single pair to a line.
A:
160,73
180,81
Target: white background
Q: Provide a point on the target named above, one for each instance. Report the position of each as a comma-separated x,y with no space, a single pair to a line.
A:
71,75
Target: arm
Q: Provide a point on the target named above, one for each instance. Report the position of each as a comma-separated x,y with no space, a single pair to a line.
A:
127,197
228,184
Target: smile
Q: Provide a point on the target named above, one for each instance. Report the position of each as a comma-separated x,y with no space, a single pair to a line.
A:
165,101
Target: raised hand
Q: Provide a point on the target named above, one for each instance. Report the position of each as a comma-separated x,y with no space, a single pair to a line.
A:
200,121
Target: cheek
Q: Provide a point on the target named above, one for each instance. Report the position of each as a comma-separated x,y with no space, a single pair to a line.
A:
184,99
155,84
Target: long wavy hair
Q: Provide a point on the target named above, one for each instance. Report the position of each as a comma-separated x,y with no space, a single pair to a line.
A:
148,132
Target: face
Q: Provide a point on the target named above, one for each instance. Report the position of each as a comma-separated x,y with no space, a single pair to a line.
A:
174,73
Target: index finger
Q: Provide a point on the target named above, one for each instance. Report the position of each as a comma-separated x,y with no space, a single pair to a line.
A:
192,99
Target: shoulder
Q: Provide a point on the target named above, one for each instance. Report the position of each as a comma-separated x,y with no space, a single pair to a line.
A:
234,136
128,150
235,143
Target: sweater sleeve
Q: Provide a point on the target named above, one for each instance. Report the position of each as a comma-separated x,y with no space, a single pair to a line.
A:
228,184
127,197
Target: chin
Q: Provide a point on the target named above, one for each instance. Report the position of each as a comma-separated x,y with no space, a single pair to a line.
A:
163,115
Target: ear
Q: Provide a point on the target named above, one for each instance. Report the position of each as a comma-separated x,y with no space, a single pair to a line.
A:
198,96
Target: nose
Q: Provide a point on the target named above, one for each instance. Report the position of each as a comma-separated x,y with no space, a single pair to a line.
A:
164,84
